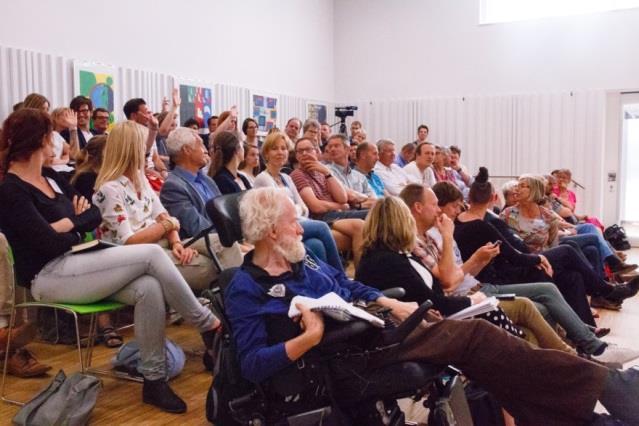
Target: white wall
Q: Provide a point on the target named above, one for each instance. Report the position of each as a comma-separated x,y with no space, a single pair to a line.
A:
259,44
420,48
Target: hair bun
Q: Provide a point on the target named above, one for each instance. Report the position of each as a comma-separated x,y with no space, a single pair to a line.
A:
482,176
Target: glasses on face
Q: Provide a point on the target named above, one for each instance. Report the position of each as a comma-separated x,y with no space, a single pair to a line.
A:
302,151
83,110
102,117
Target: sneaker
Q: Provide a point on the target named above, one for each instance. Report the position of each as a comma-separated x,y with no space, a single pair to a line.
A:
160,394
614,354
604,303
22,363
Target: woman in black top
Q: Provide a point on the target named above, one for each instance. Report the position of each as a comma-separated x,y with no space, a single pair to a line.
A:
43,218
228,153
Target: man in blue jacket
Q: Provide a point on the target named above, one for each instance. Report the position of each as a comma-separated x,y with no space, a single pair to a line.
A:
187,190
562,391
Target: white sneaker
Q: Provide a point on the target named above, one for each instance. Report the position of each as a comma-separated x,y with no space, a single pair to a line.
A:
614,354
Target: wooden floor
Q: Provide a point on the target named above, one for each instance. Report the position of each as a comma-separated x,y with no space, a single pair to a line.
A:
120,402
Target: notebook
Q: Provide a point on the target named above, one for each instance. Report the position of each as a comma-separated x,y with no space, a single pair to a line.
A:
92,245
334,307
487,305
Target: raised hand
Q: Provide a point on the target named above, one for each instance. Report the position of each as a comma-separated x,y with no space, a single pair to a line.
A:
176,98
70,119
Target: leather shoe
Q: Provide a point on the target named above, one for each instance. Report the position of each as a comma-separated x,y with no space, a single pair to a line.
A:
624,291
22,363
604,303
159,393
623,268
20,336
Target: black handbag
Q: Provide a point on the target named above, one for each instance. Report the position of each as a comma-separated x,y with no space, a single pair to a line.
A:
616,236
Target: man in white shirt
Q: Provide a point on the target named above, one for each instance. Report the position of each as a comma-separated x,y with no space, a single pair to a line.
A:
360,194
419,170
391,174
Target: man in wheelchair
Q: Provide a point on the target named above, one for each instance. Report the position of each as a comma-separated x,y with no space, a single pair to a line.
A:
535,386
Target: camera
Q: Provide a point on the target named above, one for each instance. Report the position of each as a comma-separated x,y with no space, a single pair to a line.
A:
345,111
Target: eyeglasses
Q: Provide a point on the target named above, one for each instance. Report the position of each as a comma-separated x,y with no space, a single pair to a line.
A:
101,117
303,151
83,110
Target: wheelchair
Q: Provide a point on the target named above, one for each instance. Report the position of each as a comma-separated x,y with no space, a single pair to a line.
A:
332,384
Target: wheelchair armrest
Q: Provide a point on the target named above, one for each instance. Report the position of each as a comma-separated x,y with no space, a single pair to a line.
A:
398,334
344,332
394,292
199,235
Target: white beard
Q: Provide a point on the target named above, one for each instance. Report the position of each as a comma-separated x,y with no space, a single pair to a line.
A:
292,249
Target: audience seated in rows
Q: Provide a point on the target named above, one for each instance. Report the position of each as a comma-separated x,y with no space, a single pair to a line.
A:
500,363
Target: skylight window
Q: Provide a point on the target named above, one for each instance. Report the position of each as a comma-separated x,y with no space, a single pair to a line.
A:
494,11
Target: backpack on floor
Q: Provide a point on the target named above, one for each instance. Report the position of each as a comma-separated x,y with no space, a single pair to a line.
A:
616,236
65,401
128,358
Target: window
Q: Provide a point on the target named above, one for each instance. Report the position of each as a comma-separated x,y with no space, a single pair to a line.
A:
494,11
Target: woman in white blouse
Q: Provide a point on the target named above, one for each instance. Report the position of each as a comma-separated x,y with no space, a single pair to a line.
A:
317,234
132,212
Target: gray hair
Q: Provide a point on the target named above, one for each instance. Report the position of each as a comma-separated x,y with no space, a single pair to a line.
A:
261,208
311,122
384,142
178,138
341,137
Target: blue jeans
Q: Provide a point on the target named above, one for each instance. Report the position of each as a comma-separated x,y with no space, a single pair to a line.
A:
318,239
552,302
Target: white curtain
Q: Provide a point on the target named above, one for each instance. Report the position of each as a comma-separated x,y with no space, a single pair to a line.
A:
23,72
509,134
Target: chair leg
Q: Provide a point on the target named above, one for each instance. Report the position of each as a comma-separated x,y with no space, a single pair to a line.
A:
12,323
77,341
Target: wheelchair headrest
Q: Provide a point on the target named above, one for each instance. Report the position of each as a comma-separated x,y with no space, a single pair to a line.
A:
224,212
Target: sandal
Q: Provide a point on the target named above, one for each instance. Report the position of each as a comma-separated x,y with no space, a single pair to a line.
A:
111,338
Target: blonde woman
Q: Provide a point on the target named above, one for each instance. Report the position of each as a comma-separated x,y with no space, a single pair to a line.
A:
390,239
132,212
317,234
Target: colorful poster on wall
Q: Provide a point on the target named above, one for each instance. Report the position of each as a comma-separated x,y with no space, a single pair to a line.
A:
197,103
316,110
98,84
264,110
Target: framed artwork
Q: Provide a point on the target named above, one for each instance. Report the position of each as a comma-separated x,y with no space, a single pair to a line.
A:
264,110
98,83
197,102
317,110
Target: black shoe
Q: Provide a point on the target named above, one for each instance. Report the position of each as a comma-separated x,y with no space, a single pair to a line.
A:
624,291
160,394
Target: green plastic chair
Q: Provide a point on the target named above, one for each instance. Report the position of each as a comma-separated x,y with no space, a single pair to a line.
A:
76,310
